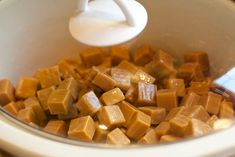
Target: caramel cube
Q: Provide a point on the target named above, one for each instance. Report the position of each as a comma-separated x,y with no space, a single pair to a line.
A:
128,66
57,127
162,129
197,128
82,128
161,66
117,137
59,101
128,111
111,116
11,108
191,99
175,112
89,104
72,113
27,115
143,55
92,57
213,103
122,78
141,76
198,57
146,94
149,138
140,124
200,88
167,99
190,71
112,97
26,87
177,85
179,125
106,63
69,68
43,96
72,85
226,110
197,112
35,105
131,94
100,133
118,54
157,114
48,76
104,81
6,92
212,120
169,138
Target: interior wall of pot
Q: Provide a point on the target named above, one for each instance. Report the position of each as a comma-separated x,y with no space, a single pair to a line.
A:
35,33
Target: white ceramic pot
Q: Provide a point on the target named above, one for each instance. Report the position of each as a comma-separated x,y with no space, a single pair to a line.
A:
34,33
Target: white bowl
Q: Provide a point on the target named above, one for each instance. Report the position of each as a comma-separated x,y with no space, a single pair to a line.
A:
35,34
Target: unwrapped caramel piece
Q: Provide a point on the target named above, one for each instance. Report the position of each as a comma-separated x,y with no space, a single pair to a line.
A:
43,96
82,128
197,112
106,63
179,124
27,115
190,71
198,57
88,104
118,54
11,108
200,88
141,76
140,124
69,68
197,128
177,85
33,103
161,66
212,120
131,94
128,66
72,113
104,81
111,116
149,138
48,76
6,92
162,129
122,78
57,127
72,85
175,112
59,101
112,97
128,111
146,94
117,137
213,103
143,55
26,87
157,114
167,99
226,110
191,99
100,133
169,138
92,57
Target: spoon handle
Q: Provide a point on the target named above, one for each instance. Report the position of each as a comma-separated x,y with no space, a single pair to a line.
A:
123,5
